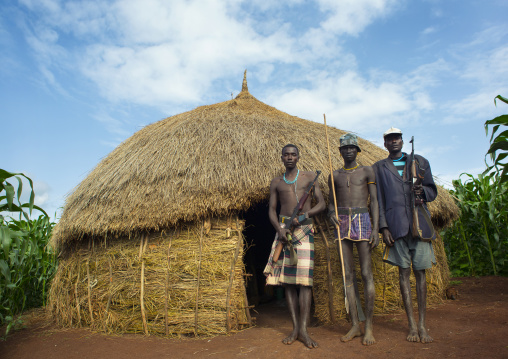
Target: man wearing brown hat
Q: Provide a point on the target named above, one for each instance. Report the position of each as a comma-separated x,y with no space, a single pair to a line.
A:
403,248
354,185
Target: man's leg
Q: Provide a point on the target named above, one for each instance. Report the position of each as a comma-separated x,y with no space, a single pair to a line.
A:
349,271
421,294
364,254
405,291
305,303
292,301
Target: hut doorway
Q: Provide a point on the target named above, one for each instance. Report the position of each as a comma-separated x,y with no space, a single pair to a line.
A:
259,235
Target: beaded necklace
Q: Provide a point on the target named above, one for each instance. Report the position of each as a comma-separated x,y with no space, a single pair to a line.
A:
293,181
349,169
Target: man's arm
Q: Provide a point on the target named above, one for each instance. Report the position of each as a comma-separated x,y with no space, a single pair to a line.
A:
374,207
383,225
429,187
272,210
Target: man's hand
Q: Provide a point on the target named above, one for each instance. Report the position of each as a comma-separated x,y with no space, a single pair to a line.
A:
283,232
387,237
374,239
333,217
418,191
297,221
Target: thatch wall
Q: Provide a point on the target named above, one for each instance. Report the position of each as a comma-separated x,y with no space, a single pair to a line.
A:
164,283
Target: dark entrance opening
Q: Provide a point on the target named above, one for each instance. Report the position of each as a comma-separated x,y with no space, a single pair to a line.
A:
259,235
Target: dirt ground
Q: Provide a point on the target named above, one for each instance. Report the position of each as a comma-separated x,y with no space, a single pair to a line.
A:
473,326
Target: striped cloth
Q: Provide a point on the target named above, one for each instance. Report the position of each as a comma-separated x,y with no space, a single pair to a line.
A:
356,227
303,272
400,164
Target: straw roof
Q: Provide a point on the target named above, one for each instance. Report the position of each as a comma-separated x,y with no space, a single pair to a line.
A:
214,160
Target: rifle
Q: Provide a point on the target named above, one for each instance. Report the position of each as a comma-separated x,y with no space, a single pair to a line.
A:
416,174
298,209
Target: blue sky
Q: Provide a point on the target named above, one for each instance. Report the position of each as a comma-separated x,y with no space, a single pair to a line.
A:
79,77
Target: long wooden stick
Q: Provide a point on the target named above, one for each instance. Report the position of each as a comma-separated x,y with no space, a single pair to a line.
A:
198,280
77,298
166,304
337,216
239,230
110,292
142,297
89,291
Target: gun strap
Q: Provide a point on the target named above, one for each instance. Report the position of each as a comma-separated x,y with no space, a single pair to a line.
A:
426,216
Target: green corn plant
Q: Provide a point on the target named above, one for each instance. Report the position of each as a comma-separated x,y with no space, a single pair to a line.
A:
477,244
498,150
27,263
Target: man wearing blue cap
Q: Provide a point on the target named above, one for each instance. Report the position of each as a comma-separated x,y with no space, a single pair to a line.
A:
403,248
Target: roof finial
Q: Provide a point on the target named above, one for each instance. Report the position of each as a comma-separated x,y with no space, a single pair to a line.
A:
244,84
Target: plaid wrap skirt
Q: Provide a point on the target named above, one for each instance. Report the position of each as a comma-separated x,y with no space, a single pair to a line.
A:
302,273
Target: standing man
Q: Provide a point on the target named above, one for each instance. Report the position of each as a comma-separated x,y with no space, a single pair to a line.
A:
287,190
353,186
396,221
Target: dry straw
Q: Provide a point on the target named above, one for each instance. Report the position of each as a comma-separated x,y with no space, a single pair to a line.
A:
212,162
192,289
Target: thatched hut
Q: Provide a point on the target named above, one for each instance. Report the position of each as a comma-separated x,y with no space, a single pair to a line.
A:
163,235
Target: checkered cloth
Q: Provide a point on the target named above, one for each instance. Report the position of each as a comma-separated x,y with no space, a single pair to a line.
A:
356,227
300,274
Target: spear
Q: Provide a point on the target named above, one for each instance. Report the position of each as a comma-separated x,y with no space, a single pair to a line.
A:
337,226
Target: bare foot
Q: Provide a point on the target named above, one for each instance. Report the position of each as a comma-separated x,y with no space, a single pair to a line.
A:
413,335
307,341
368,338
291,338
353,333
424,336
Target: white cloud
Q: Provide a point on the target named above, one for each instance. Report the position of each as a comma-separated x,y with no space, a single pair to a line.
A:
157,52
446,179
429,30
475,107
489,67
351,101
170,54
352,16
113,125
42,193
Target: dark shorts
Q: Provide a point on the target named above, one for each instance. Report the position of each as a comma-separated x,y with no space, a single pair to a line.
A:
408,250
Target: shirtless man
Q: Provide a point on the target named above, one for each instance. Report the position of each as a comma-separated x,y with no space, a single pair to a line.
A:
287,190
353,186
